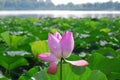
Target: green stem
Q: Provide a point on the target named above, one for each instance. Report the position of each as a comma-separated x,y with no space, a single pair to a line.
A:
61,68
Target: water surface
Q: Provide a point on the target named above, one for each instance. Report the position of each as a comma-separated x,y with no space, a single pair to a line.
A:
58,13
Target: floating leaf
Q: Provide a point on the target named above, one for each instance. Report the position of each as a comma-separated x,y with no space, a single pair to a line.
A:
29,73
99,62
6,37
106,30
68,74
10,63
15,40
38,47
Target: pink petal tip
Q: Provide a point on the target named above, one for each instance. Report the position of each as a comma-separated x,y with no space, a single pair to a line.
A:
78,62
52,68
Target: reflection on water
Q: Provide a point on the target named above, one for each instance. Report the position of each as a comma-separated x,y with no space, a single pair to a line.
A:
47,13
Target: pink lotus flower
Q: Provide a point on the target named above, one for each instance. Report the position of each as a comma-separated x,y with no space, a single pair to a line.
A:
60,47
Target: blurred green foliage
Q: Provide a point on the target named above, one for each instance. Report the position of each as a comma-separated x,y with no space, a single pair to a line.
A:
96,40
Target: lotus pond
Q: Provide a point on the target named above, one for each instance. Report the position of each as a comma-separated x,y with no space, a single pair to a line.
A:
95,40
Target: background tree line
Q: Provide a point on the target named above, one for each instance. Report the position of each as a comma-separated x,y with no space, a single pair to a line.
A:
41,5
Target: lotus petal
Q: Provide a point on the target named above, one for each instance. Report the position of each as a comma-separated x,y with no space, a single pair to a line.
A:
67,44
78,62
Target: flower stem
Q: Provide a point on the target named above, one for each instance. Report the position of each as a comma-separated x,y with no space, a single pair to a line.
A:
61,68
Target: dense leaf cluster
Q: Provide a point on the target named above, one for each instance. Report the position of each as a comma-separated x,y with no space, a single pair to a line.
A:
96,40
